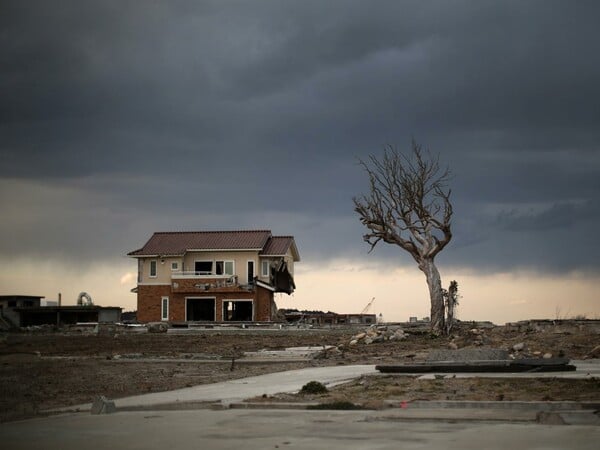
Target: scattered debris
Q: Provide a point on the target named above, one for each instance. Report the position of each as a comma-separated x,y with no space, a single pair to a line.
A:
518,347
157,327
379,333
300,353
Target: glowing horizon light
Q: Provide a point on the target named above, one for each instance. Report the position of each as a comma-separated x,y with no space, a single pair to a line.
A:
344,286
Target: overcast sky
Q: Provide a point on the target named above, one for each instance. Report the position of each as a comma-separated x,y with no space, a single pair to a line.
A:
118,119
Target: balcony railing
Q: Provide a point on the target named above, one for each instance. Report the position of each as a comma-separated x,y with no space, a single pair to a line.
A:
200,274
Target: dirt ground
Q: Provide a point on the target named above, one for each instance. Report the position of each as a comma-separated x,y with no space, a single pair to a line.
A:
41,369
370,392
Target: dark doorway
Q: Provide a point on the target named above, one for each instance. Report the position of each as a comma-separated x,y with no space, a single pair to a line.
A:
237,310
200,309
250,272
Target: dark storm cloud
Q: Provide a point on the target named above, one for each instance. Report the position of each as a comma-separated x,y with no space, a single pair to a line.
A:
558,216
136,117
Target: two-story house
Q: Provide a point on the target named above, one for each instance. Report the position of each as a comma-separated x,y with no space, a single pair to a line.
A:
216,276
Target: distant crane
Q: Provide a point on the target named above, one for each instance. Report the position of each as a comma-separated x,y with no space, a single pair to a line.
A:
366,308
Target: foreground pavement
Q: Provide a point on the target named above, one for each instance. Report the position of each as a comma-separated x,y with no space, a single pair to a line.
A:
268,429
433,425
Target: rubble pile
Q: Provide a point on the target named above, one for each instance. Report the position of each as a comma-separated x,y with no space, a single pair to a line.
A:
378,333
519,350
477,337
157,327
474,336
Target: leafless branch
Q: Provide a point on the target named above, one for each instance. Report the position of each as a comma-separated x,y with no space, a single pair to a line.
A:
408,203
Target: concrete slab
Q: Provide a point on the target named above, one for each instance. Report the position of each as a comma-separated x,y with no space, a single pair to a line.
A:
236,390
290,352
459,405
585,369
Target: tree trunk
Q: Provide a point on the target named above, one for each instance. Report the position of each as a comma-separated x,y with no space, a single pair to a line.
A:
451,302
436,295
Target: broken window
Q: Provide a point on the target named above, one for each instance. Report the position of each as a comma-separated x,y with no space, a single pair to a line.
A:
203,267
200,309
237,310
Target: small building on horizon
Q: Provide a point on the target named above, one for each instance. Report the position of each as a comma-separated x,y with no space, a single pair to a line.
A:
327,318
18,311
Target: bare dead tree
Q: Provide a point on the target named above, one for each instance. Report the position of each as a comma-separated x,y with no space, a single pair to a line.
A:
409,205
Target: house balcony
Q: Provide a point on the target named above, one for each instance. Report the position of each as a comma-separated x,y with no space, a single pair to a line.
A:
192,283
198,274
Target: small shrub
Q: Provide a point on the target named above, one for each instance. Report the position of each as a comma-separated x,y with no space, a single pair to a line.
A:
313,387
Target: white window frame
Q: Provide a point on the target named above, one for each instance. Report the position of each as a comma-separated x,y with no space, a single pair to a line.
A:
174,265
155,269
225,262
164,308
264,268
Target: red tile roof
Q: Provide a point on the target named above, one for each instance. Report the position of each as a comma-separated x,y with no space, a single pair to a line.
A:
277,246
178,242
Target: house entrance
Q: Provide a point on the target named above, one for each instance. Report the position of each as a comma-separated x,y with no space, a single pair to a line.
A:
237,310
200,309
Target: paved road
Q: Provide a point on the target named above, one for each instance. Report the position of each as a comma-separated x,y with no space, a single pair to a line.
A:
236,390
270,429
